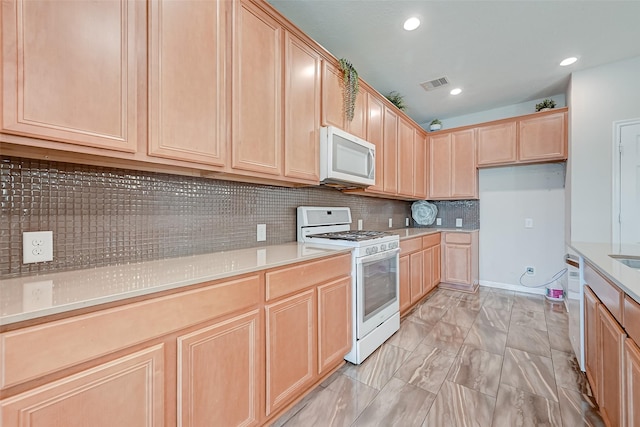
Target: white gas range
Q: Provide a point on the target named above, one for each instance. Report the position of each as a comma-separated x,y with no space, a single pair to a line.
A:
375,273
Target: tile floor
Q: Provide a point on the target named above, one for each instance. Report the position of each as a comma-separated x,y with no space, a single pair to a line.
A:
495,358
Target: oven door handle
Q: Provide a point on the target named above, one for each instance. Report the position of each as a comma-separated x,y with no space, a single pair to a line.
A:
378,256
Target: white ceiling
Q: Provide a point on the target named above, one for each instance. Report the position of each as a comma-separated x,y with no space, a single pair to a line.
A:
499,52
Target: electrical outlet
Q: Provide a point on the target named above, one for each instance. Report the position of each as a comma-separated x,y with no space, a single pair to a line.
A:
438,221
531,271
406,222
359,224
390,222
528,223
261,232
458,222
37,246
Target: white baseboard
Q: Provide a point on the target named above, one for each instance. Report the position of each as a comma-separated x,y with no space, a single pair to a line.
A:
510,287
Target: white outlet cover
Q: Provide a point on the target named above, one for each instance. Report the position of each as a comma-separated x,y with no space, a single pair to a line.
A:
438,221
37,246
261,232
359,224
528,223
406,222
390,222
458,222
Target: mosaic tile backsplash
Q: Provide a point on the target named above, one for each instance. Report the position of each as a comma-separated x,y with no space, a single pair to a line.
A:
105,216
449,210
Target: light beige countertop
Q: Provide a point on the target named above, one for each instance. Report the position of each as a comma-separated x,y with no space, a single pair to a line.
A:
31,297
407,233
597,254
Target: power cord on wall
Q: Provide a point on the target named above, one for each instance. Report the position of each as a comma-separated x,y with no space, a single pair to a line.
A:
555,277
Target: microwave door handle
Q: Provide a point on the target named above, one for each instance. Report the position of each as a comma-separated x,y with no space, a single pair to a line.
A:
371,164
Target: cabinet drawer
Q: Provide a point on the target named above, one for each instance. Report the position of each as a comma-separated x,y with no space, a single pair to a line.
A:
632,318
411,245
69,342
431,240
457,237
610,295
291,279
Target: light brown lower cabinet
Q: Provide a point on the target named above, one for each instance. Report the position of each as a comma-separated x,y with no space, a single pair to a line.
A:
460,263
612,359
190,358
419,269
128,391
631,377
609,367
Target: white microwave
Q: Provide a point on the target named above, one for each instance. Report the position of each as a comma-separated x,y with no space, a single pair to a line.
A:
345,159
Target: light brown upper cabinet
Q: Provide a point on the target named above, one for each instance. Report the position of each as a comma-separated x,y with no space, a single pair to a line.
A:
257,91
333,105
69,71
390,152
452,165
188,80
535,138
302,110
412,180
375,135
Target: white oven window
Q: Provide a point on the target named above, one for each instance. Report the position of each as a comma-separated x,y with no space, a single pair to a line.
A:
379,286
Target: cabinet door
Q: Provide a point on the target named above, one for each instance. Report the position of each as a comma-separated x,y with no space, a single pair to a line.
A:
464,181
290,347
375,135
457,265
405,283
416,276
440,166
543,138
69,71
358,126
219,364
406,158
610,350
390,151
187,80
128,391
257,91
631,376
302,111
420,167
436,253
427,270
332,98
334,323
497,144
591,338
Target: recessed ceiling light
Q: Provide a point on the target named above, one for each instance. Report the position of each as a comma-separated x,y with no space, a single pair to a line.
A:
456,91
568,61
411,23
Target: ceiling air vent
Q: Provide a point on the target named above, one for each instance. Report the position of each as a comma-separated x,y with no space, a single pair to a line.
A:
435,83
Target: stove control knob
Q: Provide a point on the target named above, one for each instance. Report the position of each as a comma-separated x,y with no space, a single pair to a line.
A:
374,249
383,247
368,251
393,245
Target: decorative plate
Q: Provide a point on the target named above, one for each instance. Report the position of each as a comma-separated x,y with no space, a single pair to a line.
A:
423,212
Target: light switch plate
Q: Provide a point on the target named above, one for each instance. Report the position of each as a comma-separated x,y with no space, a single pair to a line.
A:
406,222
37,246
390,222
438,221
458,222
359,224
528,223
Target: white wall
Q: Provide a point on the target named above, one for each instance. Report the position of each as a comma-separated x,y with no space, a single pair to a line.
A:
497,113
599,96
508,195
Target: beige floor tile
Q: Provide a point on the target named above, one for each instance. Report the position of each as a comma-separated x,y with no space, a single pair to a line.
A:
528,339
528,318
498,319
397,404
486,338
446,336
459,316
477,369
427,314
518,408
578,409
567,372
457,405
379,367
411,333
529,372
427,371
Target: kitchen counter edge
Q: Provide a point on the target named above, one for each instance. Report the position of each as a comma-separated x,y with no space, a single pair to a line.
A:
597,255
78,289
